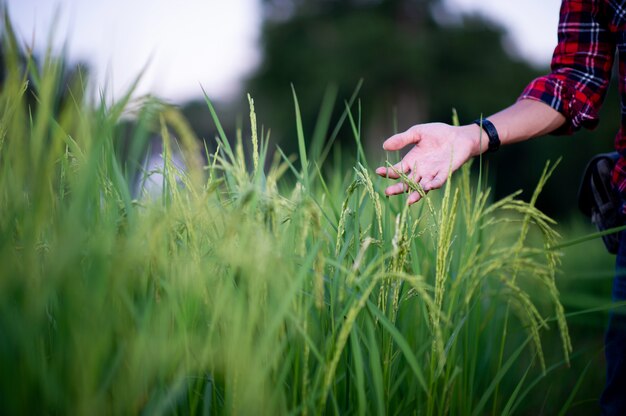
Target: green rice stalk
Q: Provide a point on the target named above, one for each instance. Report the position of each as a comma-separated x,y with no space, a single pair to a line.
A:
342,338
345,211
255,139
365,180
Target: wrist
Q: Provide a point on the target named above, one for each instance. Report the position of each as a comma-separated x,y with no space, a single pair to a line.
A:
475,137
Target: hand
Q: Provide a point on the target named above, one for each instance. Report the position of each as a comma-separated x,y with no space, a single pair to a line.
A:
439,149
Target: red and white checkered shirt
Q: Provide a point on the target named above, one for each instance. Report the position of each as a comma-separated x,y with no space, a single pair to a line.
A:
590,32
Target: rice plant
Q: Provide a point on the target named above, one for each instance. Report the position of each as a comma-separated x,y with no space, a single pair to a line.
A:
259,285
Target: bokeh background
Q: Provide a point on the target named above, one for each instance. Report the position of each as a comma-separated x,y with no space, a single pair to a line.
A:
418,59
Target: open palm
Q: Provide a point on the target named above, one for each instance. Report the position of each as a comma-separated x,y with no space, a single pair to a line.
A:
438,150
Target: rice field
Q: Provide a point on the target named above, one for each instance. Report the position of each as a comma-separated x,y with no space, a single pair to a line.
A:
255,282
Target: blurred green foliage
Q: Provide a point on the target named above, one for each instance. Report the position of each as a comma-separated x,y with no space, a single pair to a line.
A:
106,300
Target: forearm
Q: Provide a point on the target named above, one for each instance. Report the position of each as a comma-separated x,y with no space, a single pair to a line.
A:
521,121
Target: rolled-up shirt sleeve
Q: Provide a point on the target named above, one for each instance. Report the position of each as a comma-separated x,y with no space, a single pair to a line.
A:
581,66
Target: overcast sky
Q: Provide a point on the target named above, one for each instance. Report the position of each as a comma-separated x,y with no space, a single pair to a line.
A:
212,42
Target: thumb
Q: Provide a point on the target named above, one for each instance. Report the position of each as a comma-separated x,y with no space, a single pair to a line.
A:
400,140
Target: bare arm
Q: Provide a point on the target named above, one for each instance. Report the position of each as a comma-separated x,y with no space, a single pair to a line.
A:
526,119
438,149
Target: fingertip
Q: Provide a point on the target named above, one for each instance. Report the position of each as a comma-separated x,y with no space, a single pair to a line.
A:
381,171
395,189
413,198
393,143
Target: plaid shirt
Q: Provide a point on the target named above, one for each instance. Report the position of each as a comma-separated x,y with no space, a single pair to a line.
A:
589,32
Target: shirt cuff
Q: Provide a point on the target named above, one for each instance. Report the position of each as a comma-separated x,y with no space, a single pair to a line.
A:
572,103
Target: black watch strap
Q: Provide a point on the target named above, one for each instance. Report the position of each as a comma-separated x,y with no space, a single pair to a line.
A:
492,133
